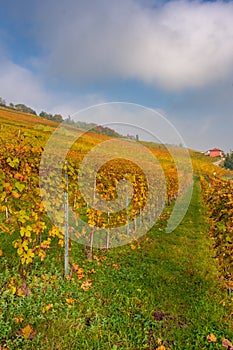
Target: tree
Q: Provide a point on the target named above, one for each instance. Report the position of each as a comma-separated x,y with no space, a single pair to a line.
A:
23,108
46,115
58,118
228,163
69,121
2,102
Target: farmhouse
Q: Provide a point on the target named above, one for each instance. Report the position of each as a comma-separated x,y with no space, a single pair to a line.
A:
215,152
131,137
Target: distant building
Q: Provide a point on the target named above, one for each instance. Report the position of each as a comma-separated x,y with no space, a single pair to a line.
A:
131,137
215,152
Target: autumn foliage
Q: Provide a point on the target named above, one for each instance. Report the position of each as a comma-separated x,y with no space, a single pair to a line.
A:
218,198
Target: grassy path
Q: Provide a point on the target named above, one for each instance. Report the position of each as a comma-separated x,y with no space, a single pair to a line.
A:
167,289
165,292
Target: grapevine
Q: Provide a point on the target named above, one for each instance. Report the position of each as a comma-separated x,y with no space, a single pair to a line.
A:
218,198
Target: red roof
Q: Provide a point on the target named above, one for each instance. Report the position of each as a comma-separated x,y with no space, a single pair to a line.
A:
216,149
215,152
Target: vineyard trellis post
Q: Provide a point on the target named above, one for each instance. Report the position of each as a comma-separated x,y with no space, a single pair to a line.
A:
126,205
108,233
66,224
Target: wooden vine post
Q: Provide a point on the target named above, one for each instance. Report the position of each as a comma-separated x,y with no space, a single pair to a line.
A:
66,224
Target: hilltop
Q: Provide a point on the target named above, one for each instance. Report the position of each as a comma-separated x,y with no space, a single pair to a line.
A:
27,114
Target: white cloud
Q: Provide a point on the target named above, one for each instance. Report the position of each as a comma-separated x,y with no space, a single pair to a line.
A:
71,105
20,85
182,46
177,45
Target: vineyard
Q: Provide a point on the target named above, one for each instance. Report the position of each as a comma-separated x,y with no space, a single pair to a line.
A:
106,291
218,197
21,198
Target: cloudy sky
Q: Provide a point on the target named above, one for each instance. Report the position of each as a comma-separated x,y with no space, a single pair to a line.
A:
173,56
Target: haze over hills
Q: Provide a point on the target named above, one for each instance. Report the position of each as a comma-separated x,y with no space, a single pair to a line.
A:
32,124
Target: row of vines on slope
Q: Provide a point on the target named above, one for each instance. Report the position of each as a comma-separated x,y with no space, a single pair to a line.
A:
218,198
22,213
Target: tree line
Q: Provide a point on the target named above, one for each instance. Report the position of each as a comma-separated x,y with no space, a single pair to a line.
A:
228,162
59,119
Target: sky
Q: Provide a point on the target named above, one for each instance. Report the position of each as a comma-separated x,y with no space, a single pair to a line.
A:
172,56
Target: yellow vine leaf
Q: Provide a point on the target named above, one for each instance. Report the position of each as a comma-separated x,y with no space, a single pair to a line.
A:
18,319
28,257
211,338
41,254
69,300
227,344
61,242
20,292
80,273
28,332
13,290
20,251
25,231
47,307
86,285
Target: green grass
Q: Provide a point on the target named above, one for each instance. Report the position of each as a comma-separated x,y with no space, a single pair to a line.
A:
167,289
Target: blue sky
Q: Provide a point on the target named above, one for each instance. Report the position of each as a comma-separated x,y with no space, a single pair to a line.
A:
175,56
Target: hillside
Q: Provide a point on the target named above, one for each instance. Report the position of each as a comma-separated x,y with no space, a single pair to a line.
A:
14,121
152,290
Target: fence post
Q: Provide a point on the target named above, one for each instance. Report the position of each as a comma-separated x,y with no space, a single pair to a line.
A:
66,224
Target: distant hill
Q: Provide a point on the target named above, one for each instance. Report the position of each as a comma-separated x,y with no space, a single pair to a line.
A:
22,111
